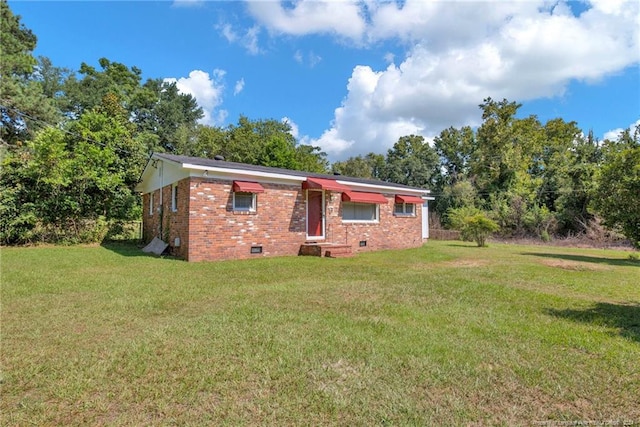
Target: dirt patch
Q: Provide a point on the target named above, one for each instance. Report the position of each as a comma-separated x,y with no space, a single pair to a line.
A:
574,265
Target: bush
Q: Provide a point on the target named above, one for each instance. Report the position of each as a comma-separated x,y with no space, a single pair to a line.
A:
474,225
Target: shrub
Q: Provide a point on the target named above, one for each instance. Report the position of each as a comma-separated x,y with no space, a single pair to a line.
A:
474,225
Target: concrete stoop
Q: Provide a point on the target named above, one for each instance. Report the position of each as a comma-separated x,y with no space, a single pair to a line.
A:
329,250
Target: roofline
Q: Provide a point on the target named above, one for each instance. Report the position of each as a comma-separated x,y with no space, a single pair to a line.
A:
190,163
224,170
383,187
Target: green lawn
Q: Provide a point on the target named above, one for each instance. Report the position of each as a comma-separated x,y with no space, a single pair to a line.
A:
447,334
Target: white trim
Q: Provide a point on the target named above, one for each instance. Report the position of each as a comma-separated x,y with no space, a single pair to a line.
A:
404,212
390,188
322,216
254,202
362,221
236,172
425,219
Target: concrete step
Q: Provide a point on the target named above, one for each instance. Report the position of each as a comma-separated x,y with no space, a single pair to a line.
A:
329,250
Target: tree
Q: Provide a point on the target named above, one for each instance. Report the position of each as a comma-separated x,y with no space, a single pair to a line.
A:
453,181
411,161
454,147
270,143
506,150
160,109
369,166
87,92
70,183
23,106
618,193
310,158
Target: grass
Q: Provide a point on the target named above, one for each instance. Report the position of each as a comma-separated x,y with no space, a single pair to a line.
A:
447,334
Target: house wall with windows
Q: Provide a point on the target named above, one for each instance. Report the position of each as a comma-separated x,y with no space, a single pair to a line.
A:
208,210
168,218
386,231
209,228
275,226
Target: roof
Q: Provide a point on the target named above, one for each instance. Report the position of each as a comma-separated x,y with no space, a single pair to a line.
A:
212,163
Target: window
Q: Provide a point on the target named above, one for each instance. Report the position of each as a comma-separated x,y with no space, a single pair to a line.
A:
151,203
362,212
404,209
174,197
244,202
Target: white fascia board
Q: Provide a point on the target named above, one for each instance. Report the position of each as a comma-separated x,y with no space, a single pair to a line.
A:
226,173
165,172
382,188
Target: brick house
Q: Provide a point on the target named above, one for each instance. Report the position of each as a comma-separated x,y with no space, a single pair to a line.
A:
208,209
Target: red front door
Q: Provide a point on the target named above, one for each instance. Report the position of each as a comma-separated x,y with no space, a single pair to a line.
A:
315,207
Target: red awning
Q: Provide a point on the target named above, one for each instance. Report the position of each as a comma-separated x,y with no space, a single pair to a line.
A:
357,196
247,187
401,198
323,184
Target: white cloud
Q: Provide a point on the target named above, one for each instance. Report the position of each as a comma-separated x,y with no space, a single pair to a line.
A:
613,134
341,18
295,131
311,59
462,53
207,90
248,40
314,59
297,56
238,87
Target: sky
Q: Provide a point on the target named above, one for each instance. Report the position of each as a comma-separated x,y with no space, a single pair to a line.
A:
354,76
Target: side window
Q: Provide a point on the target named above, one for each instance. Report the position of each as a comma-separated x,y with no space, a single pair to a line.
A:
404,209
151,203
174,197
244,202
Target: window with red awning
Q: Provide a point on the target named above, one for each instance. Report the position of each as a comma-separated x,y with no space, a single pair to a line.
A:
361,197
247,187
401,198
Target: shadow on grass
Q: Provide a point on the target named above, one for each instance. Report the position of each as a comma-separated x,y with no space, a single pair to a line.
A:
584,258
626,318
462,245
128,248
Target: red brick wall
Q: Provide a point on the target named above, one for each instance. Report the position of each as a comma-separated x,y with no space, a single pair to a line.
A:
150,223
390,232
175,224
217,232
209,229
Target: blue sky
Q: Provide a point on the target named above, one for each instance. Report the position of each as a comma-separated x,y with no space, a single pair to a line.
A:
352,77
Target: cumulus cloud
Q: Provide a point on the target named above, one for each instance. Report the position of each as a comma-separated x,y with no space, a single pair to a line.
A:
613,134
341,18
458,53
207,90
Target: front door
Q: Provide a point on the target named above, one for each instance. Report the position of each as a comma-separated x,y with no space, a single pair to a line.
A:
315,215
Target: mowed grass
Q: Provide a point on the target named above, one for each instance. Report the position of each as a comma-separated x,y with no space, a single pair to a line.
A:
446,334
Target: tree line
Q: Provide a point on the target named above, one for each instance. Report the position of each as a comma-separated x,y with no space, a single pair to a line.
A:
73,145
530,178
